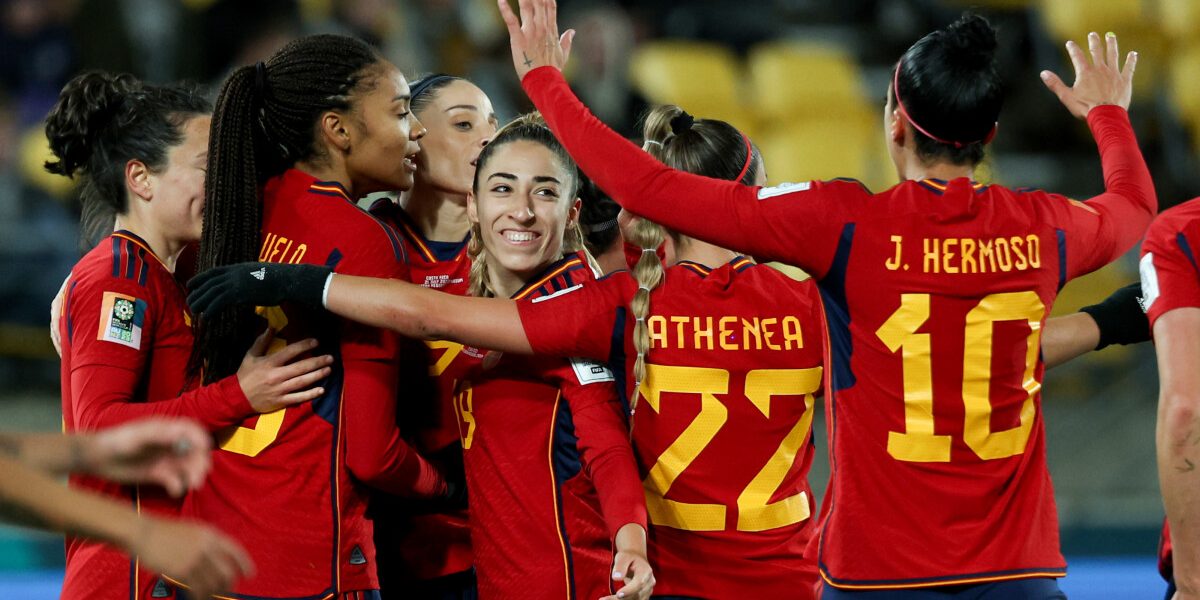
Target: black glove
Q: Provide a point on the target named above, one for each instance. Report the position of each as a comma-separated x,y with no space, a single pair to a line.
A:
1120,317
257,284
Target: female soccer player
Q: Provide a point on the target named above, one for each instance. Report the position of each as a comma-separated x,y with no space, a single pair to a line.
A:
426,552
139,151
725,354
935,291
295,141
1171,288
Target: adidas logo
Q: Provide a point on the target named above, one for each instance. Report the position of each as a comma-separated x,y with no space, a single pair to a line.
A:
356,556
260,274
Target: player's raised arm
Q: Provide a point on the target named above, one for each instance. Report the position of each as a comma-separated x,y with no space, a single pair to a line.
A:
720,212
403,307
1107,225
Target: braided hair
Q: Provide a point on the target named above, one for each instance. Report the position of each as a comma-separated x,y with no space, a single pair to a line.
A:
265,122
102,121
705,147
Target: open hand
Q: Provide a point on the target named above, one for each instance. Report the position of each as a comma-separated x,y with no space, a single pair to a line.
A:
271,380
534,36
1099,79
195,554
173,453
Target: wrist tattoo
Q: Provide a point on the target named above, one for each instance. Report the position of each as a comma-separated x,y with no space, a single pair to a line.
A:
528,62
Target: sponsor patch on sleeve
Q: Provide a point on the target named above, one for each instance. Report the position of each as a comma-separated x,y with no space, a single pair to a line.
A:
121,320
590,371
783,188
1149,281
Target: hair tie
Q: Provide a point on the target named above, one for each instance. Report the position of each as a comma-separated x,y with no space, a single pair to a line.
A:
655,142
682,122
602,226
749,155
260,79
903,111
650,250
643,287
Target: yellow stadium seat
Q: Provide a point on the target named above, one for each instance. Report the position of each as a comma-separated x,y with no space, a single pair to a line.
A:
791,80
805,150
1183,84
703,78
1133,22
1179,18
34,151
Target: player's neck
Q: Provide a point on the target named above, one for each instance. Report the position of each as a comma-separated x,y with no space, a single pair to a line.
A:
613,259
163,247
711,256
917,171
440,216
504,283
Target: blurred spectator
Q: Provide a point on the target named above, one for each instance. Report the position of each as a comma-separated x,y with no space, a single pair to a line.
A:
36,45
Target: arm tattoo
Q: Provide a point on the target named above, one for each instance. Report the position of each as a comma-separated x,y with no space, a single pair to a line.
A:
1188,466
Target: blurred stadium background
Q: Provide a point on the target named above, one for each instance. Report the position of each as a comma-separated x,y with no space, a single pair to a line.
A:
805,78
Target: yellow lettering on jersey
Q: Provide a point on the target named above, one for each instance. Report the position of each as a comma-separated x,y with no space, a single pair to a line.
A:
994,255
464,405
931,255
968,256
658,331
768,333
726,332
276,248
704,332
679,323
452,350
250,441
750,328
893,263
792,333
948,255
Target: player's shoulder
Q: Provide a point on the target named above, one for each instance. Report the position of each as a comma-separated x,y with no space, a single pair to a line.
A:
568,273
121,262
1183,219
778,284
843,187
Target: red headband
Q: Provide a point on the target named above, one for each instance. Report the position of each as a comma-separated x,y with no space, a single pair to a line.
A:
903,111
749,155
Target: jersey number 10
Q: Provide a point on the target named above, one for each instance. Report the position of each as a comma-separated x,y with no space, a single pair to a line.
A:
918,442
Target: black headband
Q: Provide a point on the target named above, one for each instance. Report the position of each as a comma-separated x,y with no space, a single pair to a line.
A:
423,84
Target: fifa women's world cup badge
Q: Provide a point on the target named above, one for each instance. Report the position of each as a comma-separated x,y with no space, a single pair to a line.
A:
121,320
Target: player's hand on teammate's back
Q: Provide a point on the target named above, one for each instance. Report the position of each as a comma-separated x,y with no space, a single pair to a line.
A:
272,381
258,284
173,453
195,554
1099,80
632,572
534,37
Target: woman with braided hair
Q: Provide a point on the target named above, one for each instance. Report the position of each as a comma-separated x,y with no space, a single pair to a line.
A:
721,360
295,141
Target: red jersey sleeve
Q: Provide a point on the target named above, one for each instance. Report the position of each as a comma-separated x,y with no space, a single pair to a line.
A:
111,327
794,223
604,442
375,452
1170,276
1106,226
579,322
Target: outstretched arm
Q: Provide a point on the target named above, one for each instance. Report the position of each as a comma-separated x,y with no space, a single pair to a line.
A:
1119,319
403,307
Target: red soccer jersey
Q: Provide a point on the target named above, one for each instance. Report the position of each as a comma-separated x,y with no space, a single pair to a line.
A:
288,484
723,427
415,544
127,336
935,294
540,437
1171,280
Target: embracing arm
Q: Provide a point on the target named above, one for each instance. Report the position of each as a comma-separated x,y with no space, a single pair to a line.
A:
1177,337
419,312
